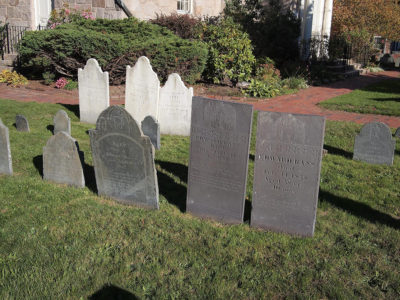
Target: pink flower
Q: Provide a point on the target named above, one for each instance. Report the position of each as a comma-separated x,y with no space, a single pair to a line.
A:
67,11
61,83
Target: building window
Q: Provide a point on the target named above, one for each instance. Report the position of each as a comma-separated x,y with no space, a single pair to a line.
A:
184,6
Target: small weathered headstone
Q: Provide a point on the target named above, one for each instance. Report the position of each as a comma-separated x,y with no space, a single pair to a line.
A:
287,172
21,123
94,94
374,144
5,151
62,162
123,159
62,122
175,106
219,152
142,90
397,133
151,128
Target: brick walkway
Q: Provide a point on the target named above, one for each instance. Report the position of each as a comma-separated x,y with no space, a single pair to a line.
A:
303,102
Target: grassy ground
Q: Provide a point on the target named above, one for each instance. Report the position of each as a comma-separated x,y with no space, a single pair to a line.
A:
382,98
58,242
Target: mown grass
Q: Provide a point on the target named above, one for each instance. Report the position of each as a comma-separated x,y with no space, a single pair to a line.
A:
61,242
382,98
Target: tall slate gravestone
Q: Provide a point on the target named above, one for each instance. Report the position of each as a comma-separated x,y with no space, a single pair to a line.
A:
175,107
123,159
142,90
151,128
287,172
397,133
21,123
5,151
219,152
62,122
374,144
94,94
62,162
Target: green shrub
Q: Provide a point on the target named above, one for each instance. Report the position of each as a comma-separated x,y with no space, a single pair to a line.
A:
261,88
295,83
114,44
230,51
71,85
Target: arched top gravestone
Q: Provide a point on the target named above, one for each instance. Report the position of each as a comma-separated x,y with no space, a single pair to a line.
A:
123,159
21,123
175,107
151,128
62,122
142,90
5,151
62,162
94,92
397,133
374,144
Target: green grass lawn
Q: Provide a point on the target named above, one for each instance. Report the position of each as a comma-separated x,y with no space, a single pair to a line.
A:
382,98
59,242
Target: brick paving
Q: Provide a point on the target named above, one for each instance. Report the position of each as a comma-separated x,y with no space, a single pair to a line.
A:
303,102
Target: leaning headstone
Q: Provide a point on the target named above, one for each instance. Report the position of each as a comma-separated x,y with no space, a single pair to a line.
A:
21,123
62,122
374,144
123,159
5,151
151,128
287,172
62,162
175,106
93,91
397,133
219,152
142,90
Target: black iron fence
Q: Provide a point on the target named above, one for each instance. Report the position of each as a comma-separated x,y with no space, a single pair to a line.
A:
324,48
9,38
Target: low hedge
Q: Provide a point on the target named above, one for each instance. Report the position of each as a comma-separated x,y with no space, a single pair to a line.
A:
115,44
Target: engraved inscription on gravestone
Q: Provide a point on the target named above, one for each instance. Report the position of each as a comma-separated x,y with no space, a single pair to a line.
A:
142,90
397,133
374,144
62,162
5,151
62,122
94,94
219,152
21,123
152,129
123,159
287,172
175,107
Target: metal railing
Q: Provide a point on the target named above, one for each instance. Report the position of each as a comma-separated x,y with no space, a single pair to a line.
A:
10,36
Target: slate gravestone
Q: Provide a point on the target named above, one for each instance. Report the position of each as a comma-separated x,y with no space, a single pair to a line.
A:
5,151
219,152
175,106
61,160
21,123
62,122
142,90
287,172
397,133
152,129
374,144
123,159
94,94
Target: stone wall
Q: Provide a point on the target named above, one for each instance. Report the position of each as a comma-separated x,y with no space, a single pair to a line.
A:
16,12
100,8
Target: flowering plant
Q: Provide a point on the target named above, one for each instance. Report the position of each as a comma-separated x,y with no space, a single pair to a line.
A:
61,83
67,15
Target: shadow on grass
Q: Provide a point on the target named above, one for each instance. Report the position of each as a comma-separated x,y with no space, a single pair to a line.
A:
112,292
72,108
90,178
247,211
38,163
178,170
386,99
50,128
359,209
337,151
174,192
251,157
